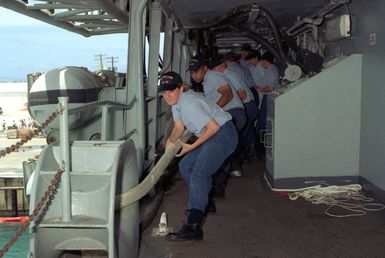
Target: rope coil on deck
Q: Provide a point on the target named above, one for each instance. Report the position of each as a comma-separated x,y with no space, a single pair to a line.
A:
349,198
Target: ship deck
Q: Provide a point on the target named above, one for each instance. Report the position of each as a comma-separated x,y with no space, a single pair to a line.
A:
253,221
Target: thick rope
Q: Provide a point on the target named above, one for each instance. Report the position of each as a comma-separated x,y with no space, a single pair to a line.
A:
152,178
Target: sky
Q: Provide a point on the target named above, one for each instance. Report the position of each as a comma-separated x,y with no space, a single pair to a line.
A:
29,46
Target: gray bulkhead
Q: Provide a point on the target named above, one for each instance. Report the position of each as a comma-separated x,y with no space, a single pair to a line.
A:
361,126
338,139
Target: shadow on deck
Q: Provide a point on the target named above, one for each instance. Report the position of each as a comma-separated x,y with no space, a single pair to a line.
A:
252,221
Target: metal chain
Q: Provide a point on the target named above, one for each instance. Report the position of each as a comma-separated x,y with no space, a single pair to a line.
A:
54,184
15,147
52,187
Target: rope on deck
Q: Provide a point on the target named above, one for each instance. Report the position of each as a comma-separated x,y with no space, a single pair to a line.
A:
346,198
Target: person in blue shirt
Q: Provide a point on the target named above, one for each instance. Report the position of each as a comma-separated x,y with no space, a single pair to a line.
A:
236,77
245,51
216,140
256,69
218,89
269,83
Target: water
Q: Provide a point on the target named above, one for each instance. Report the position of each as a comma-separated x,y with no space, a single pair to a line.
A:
13,97
20,248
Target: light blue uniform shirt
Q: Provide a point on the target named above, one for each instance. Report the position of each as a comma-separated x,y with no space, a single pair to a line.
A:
238,82
195,111
270,77
258,72
212,82
243,67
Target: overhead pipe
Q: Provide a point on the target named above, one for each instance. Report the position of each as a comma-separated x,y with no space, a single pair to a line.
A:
256,37
218,21
317,18
276,33
228,19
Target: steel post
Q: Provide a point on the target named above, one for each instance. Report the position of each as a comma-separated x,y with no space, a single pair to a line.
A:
104,129
135,117
155,23
65,156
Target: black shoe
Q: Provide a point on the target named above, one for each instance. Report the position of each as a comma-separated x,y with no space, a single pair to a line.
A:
218,192
186,233
251,155
211,208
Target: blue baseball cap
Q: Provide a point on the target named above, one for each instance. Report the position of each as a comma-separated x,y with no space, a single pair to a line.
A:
170,81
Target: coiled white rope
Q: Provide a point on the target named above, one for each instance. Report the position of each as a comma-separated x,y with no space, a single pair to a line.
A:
347,197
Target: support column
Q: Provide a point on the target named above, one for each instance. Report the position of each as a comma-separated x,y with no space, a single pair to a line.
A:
65,159
153,68
135,116
176,54
168,45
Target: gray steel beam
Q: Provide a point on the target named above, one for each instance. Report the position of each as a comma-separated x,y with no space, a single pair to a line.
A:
38,11
43,15
176,58
135,89
66,161
168,45
155,24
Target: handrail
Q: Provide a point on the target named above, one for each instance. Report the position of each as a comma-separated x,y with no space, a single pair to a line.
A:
128,135
5,188
97,103
105,107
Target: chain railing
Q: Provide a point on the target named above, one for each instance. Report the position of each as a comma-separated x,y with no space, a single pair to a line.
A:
34,133
51,191
52,187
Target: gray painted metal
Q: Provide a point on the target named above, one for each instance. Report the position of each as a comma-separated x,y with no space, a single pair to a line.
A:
177,50
152,86
100,171
88,17
96,17
366,25
164,114
315,124
372,153
337,141
65,164
135,76
104,122
199,12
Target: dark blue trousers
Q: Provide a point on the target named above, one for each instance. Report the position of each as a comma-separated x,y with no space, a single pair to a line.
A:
199,165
